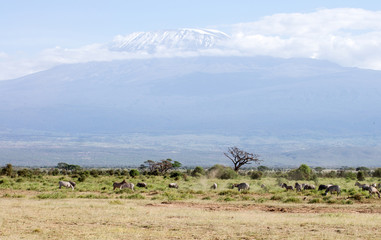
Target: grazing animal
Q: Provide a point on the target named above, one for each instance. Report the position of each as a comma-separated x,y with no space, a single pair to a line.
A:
374,185
323,187
141,184
309,186
128,185
298,187
333,188
67,184
287,187
214,186
173,185
373,190
364,187
118,185
241,186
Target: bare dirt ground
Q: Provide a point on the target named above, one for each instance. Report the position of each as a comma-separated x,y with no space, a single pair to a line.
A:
284,208
73,218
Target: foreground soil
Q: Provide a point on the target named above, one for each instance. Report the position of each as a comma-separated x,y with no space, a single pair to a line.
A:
31,218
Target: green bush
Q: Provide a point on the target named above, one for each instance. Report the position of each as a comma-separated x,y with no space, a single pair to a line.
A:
256,175
198,171
377,173
360,176
304,172
221,172
175,174
134,173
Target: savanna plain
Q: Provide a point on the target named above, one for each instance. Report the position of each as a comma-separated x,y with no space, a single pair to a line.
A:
34,207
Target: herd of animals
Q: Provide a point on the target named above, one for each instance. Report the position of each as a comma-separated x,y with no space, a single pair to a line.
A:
372,188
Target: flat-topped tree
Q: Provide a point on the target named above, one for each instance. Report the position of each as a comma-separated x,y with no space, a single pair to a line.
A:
240,157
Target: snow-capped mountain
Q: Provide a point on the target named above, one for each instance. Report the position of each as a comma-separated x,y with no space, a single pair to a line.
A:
182,39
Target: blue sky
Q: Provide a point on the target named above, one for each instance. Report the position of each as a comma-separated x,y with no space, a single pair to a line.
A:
30,27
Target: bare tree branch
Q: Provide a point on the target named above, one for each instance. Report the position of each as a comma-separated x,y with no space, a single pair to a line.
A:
240,157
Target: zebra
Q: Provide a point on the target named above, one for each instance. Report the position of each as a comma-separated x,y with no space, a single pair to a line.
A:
141,184
241,186
214,186
373,190
364,187
67,184
127,185
333,188
309,186
287,187
323,187
173,185
298,188
118,185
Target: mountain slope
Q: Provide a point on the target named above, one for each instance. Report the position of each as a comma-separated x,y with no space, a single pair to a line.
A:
268,103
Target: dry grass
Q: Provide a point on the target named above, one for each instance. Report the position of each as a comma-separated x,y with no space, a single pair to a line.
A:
30,218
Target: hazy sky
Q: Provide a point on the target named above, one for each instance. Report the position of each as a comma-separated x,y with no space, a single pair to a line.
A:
36,35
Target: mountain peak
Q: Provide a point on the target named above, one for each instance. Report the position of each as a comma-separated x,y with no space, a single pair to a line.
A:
190,39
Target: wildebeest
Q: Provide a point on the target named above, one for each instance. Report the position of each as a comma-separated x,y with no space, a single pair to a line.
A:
309,186
373,190
364,187
118,185
298,187
141,184
67,184
173,185
241,186
323,187
287,187
214,186
333,188
127,185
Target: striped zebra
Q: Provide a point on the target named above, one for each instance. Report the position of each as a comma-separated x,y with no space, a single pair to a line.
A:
287,187
333,188
364,187
118,185
373,190
67,184
128,185
241,186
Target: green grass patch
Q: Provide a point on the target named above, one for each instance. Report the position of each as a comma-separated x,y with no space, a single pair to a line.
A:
56,195
292,200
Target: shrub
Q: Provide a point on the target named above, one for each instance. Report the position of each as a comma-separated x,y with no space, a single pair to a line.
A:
134,173
175,174
360,176
377,173
221,172
94,172
198,171
256,175
304,172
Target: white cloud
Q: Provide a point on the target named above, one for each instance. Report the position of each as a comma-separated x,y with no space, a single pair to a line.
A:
349,37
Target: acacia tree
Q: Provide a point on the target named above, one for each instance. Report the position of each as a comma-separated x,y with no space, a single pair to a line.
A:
240,157
161,167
